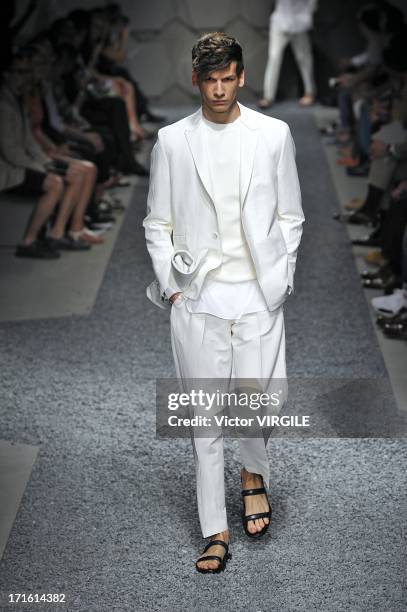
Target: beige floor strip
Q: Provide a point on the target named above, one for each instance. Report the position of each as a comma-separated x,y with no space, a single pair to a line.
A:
16,462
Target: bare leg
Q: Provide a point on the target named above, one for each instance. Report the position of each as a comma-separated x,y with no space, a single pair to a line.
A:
126,91
89,179
72,193
54,187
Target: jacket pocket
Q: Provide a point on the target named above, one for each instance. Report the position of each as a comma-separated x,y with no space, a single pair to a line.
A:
185,263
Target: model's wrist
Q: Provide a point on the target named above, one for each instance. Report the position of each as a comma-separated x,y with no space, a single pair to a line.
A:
174,296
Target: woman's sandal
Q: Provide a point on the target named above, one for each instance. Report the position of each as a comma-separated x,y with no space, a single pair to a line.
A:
222,560
258,515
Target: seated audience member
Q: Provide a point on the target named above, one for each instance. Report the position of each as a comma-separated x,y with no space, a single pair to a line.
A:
19,149
113,54
377,24
48,187
102,111
392,276
98,33
61,141
388,149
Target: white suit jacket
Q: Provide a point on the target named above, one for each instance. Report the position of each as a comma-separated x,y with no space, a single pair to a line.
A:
181,226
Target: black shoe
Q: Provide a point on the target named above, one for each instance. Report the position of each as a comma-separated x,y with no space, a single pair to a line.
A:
401,317
222,560
360,170
378,282
396,331
373,240
358,217
383,271
387,284
37,250
66,243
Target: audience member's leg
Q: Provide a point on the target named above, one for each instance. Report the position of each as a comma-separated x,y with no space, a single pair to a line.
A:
89,180
125,90
393,234
74,182
344,99
53,187
363,131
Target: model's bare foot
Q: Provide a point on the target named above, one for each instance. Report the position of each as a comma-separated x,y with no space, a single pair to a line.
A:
306,100
265,103
254,503
216,549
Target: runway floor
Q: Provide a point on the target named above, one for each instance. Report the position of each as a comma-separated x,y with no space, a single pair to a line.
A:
109,514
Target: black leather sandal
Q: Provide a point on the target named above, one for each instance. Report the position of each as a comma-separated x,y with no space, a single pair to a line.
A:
222,561
258,515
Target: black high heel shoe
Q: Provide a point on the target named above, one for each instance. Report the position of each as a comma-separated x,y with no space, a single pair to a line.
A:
258,515
222,560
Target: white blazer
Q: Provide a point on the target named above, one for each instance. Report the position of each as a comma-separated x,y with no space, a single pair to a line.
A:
181,226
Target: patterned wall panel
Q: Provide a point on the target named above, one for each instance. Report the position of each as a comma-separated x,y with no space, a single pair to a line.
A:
163,32
170,28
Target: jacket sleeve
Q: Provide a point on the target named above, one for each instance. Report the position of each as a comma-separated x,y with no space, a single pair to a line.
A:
12,150
158,222
289,210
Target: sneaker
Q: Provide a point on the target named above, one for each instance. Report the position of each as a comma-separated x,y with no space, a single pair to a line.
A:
37,250
390,305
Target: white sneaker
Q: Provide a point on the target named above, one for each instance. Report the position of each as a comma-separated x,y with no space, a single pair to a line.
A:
390,305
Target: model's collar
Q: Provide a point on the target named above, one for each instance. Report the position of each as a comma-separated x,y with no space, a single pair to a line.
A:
247,117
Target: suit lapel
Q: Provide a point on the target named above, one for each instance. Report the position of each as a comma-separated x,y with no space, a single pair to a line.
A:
196,144
248,144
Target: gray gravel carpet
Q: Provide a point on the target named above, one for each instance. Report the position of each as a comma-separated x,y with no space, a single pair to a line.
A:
109,516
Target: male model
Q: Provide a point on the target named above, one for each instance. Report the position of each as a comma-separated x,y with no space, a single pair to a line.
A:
290,22
223,227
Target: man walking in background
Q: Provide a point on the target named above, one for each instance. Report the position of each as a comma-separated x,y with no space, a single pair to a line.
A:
290,22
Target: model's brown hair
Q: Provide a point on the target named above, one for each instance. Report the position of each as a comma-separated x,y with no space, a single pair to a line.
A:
215,51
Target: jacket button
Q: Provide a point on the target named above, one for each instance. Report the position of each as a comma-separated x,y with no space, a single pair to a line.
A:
215,235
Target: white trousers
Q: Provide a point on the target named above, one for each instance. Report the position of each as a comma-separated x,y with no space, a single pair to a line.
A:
301,46
205,346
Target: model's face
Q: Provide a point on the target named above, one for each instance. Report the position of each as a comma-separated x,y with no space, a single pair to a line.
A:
219,88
